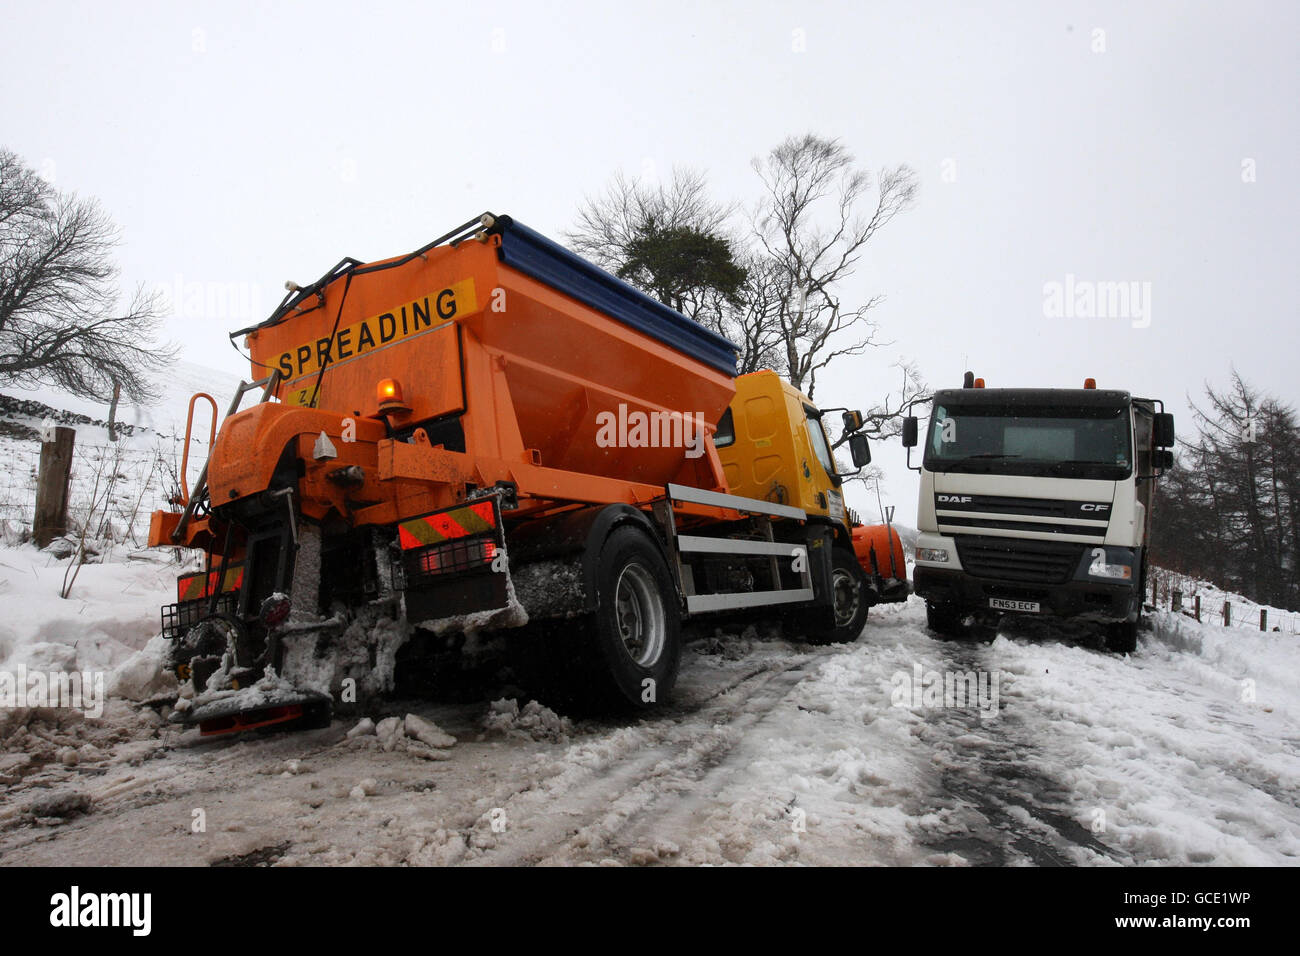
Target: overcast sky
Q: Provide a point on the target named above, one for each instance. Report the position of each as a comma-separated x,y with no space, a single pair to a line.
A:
241,144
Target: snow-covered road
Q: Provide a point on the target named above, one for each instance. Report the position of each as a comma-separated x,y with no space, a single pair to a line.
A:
772,752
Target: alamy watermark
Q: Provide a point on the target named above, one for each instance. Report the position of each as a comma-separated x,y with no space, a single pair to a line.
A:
75,909
638,429
1087,299
75,690
211,299
951,689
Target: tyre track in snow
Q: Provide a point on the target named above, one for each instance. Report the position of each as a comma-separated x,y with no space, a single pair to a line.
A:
1019,789
709,779
1000,806
681,812
547,794
604,811
1005,809
1157,745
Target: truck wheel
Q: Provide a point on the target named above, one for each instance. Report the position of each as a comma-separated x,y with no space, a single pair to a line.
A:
944,620
629,650
1122,637
848,599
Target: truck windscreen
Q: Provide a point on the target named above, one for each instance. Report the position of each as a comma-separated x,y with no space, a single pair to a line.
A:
1053,442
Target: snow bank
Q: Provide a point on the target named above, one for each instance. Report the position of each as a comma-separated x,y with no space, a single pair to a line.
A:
1262,664
105,625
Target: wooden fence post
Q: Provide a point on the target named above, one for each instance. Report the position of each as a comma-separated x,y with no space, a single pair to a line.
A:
1227,614
1177,604
1263,619
112,411
51,519
1198,607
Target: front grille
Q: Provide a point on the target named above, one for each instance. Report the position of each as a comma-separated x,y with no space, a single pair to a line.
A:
1017,559
1038,507
976,513
951,524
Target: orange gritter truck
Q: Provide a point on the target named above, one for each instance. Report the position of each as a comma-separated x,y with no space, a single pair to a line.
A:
492,434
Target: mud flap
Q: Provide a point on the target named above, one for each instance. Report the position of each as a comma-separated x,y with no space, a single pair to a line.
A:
457,576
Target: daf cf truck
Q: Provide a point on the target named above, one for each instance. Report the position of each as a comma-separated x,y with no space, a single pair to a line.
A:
1037,501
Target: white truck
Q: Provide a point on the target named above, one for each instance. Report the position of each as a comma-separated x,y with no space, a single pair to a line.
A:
1037,501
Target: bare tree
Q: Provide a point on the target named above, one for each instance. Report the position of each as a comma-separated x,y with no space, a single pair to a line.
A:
60,320
749,319
810,224
773,290
884,420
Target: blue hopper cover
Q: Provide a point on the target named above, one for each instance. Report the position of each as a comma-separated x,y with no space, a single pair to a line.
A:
538,257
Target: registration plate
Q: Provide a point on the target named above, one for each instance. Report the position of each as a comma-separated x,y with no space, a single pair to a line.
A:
1025,607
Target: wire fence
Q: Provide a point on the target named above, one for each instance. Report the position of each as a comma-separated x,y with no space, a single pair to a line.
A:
1172,592
112,490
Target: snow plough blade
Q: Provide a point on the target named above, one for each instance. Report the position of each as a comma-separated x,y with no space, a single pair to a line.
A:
232,715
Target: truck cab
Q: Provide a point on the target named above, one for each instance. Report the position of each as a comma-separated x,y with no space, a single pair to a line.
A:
774,447
1037,501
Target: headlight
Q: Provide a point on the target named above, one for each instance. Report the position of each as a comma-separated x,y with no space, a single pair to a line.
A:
1120,571
938,555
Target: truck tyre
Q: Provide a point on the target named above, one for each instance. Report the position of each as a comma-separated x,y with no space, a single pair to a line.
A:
944,620
848,599
1122,637
625,654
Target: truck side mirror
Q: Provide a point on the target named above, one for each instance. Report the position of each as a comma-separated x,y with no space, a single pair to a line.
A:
860,449
1163,458
852,421
909,431
1163,430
